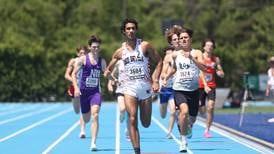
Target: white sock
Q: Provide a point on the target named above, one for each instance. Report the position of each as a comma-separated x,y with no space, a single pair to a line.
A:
183,138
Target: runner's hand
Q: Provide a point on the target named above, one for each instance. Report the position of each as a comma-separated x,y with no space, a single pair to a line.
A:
207,89
155,87
77,92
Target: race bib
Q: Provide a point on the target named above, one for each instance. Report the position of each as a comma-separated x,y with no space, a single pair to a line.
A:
208,77
136,72
91,82
186,76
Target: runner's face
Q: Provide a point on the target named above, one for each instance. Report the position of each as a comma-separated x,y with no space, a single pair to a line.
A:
95,47
208,47
81,53
174,40
130,31
184,40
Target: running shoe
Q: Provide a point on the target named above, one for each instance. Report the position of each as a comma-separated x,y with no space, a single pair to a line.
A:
183,148
93,147
82,135
207,134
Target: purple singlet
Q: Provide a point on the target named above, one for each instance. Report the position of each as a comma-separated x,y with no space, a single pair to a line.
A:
90,85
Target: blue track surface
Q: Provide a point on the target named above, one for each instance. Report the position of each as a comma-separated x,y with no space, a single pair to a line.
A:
253,124
54,128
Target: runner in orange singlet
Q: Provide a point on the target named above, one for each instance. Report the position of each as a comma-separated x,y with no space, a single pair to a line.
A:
207,88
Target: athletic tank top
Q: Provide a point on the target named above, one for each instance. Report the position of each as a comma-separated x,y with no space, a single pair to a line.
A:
121,71
186,77
270,79
169,82
90,79
79,74
136,65
209,73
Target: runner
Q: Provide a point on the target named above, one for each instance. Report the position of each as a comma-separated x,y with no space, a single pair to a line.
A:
187,65
89,89
270,82
208,90
166,93
136,55
269,92
68,75
119,74
75,100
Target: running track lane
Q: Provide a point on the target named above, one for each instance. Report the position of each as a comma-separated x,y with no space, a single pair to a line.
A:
54,128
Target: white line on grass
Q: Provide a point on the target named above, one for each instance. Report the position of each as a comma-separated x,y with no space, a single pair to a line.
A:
35,125
117,139
49,148
165,130
27,115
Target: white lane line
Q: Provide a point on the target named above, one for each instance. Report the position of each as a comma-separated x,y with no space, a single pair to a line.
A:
8,107
234,138
61,138
117,139
35,125
165,130
27,115
18,110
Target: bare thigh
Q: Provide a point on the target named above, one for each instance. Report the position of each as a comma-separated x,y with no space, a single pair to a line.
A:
145,111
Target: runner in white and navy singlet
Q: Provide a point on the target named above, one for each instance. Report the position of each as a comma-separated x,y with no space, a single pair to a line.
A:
136,56
137,74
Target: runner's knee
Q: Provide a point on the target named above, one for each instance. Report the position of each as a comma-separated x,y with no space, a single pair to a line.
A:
94,116
132,120
86,118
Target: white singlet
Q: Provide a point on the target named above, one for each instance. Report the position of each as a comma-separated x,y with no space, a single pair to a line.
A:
186,77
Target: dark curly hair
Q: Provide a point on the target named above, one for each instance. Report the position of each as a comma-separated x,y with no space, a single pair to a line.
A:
125,21
94,38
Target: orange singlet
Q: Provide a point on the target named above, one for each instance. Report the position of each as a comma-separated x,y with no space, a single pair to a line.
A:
209,73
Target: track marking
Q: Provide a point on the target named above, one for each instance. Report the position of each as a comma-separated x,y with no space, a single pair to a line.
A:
8,107
117,139
27,115
18,110
233,137
61,138
165,130
35,125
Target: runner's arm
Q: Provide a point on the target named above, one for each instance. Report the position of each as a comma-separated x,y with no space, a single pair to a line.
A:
219,68
69,69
